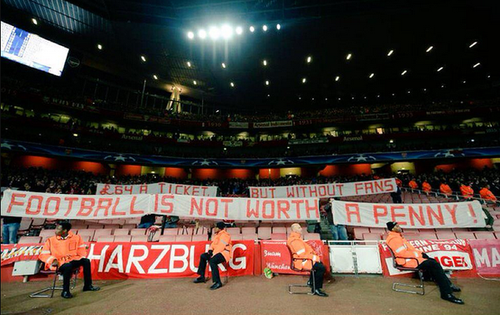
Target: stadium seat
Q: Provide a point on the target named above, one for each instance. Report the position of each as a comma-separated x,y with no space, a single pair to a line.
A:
105,238
102,232
167,238
202,230
173,231
312,236
183,238
278,236
25,224
279,229
233,230
371,236
139,238
138,232
497,235
359,231
86,238
428,235
87,232
484,235
49,233
188,231
129,226
445,235
122,238
96,226
377,231
248,230
200,237
264,232
119,232
30,240
250,236
465,235
38,222
237,237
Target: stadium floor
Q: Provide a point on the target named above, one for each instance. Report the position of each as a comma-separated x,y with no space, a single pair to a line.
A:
250,295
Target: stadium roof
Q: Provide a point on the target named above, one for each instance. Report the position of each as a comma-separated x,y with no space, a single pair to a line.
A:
360,51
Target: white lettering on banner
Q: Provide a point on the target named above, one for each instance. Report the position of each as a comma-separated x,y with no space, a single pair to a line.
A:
277,254
183,258
40,205
435,215
117,253
157,188
326,190
164,251
238,262
483,259
133,260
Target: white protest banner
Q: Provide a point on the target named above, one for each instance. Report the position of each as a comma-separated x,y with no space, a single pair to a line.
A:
371,187
55,206
409,216
157,188
237,208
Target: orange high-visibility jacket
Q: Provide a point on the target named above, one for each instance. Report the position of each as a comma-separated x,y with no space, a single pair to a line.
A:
426,187
301,249
467,191
413,184
445,189
64,250
485,193
404,250
221,243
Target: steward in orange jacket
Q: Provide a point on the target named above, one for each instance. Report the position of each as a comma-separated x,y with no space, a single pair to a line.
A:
426,187
413,184
407,256
486,194
305,258
445,189
64,253
219,252
467,191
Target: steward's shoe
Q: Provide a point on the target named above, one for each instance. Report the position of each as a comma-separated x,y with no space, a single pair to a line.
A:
450,297
91,288
455,288
66,295
216,286
318,292
200,280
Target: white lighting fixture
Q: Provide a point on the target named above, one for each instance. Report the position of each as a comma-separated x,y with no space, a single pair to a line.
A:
143,58
195,83
404,72
267,82
268,95
300,98
391,141
371,75
464,82
189,64
34,21
429,49
264,62
470,46
353,97
476,65
442,86
75,135
278,27
264,28
390,52
378,96
337,78
155,77
190,35
425,90
214,32
340,98
326,99
224,65
99,46
313,98
409,91
239,30
349,56
440,68
393,94
202,34
252,29
365,97
216,111
232,84
471,140
226,31
309,59
304,80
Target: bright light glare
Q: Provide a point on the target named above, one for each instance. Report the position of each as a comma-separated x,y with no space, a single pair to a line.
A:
189,64
390,53
476,65
440,68
232,84
214,32
190,35
227,31
202,34
34,21
404,72
278,27
267,82
429,49
99,46
195,83
264,28
252,29
224,65
309,59
304,80
470,46
264,62
337,78
155,77
143,58
239,30
372,75
349,56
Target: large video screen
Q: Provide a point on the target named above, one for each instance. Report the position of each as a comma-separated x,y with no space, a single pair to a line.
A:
32,50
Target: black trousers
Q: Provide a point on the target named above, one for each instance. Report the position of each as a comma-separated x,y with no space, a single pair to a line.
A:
67,271
435,270
213,261
318,272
